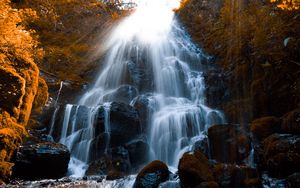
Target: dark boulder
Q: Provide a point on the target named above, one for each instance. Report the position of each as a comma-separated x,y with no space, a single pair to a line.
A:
138,152
293,181
202,146
142,105
282,154
208,184
291,122
124,123
115,165
263,127
229,143
193,169
41,160
152,175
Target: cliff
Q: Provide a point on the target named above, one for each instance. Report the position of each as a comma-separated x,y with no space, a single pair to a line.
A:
19,82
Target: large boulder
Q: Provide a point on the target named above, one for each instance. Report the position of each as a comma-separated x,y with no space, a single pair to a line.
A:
193,169
124,126
114,166
293,180
281,154
41,160
263,127
152,175
124,123
291,122
228,143
138,150
142,105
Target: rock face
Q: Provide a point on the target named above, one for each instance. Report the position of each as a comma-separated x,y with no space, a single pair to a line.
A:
123,94
152,175
229,143
281,154
193,169
124,127
37,160
19,81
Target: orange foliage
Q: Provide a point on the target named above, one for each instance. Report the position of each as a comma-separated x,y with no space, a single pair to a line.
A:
240,30
18,51
287,4
67,31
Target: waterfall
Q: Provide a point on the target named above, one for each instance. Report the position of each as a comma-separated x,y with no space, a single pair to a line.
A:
150,51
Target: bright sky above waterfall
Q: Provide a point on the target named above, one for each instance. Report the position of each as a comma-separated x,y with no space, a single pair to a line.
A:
151,20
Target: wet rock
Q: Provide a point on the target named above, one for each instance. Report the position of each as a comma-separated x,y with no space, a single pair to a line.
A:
282,154
142,105
98,167
124,123
152,175
138,152
209,184
37,160
113,175
263,127
228,143
229,175
123,94
193,169
116,164
202,146
291,122
293,181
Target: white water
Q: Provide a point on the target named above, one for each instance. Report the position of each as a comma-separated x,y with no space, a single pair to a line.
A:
151,41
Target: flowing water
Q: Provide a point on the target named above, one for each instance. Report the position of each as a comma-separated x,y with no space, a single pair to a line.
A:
151,52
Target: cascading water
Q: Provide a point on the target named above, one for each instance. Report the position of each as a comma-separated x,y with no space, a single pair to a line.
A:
151,52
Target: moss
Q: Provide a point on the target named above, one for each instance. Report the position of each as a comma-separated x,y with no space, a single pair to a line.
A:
5,170
41,97
194,169
19,78
153,167
263,127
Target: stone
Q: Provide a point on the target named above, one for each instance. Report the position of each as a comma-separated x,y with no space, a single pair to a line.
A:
142,105
291,122
202,146
116,164
41,160
193,169
263,127
230,175
124,94
293,181
138,152
124,123
229,143
281,154
208,184
152,175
